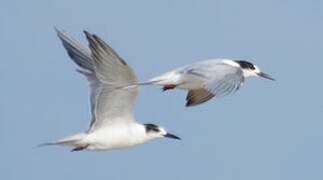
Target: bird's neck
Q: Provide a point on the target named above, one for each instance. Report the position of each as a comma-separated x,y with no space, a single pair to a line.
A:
248,73
139,134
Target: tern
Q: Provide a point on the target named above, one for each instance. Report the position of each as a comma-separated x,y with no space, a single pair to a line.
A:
209,78
113,125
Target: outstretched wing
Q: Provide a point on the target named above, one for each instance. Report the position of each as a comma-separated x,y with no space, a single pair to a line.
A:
113,102
82,57
106,73
197,96
220,80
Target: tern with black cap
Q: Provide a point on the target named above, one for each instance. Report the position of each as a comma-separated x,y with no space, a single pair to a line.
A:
206,79
113,125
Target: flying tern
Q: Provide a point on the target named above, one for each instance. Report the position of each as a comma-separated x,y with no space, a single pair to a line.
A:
113,125
209,78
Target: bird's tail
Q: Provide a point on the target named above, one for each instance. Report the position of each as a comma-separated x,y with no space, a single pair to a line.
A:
164,79
75,140
147,83
151,82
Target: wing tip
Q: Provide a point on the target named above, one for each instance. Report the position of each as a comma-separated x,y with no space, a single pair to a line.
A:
97,43
190,103
87,33
56,29
60,33
93,44
89,36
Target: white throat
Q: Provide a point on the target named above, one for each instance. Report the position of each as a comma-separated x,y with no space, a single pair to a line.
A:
248,73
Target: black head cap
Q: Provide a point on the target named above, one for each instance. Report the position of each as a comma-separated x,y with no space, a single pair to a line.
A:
246,65
151,128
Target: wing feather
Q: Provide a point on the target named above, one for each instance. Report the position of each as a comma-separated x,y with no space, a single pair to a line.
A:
220,79
106,72
113,103
82,57
197,96
225,82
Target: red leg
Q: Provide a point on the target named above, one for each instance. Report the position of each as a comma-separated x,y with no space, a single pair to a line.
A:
80,148
168,87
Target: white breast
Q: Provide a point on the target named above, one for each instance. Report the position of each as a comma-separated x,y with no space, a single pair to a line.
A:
117,136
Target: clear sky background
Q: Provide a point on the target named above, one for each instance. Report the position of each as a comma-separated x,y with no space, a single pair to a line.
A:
267,130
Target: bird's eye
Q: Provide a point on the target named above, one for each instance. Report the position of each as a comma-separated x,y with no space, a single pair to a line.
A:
152,127
156,129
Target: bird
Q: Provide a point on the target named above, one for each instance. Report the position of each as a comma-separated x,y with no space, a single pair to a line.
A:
208,78
113,125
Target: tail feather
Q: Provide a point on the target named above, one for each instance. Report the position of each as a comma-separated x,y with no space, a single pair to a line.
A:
156,82
160,82
138,84
75,140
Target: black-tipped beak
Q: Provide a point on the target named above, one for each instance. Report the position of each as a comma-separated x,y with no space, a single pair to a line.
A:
171,136
264,75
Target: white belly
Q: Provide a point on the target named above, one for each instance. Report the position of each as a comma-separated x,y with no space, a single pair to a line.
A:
115,137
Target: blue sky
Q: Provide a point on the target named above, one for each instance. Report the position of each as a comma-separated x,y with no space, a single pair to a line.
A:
267,130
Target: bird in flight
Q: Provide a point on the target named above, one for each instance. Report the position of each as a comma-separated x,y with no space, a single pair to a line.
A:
112,99
206,79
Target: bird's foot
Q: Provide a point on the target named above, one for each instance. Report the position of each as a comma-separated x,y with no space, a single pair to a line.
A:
80,148
168,87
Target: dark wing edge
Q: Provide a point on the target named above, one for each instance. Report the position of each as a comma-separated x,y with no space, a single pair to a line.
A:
197,96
